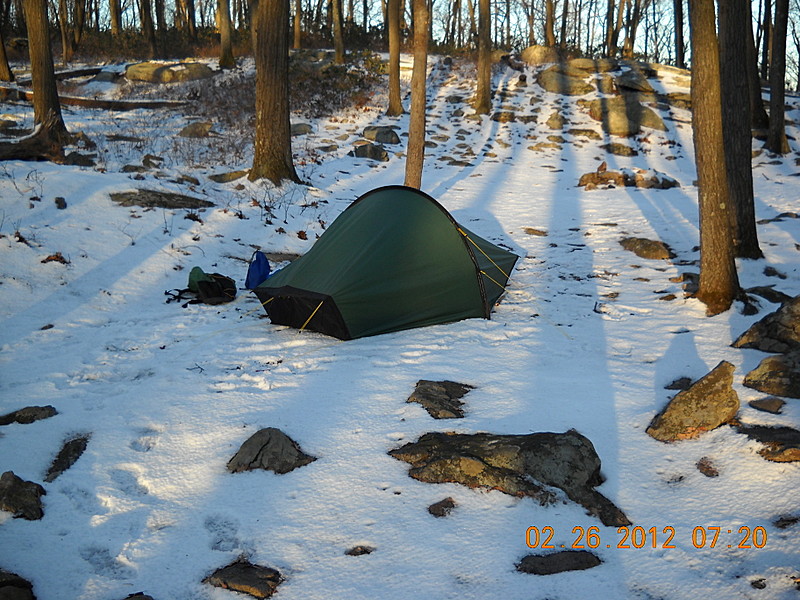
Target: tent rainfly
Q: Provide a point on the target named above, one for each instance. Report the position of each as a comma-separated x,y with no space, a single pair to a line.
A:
394,259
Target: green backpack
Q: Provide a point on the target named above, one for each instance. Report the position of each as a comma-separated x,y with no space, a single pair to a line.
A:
205,288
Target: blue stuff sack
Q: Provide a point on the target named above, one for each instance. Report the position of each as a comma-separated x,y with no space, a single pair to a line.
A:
258,271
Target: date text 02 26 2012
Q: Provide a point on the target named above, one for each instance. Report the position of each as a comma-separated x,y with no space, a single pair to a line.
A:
650,537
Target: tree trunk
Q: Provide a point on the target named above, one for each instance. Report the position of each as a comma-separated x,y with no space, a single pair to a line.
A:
734,22
563,32
64,29
146,11
393,18
758,113
766,40
298,24
272,157
46,107
6,74
680,50
483,95
719,283
338,33
115,13
549,23
776,138
415,155
611,49
226,60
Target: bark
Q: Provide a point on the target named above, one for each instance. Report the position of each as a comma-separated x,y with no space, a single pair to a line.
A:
776,138
719,283
758,114
415,156
338,33
46,107
148,29
483,99
549,23
39,146
115,12
563,32
6,74
226,60
298,24
272,157
734,21
680,53
766,40
393,18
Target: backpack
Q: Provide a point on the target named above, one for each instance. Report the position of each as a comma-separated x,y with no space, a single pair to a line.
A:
205,288
258,271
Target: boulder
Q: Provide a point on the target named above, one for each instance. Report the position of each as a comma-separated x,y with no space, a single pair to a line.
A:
560,80
519,465
14,587
198,129
624,115
269,449
168,72
593,65
778,375
634,80
558,562
29,414
442,399
628,178
539,55
556,121
504,116
649,249
442,508
771,404
70,452
247,578
781,444
381,134
22,498
618,149
777,332
707,404
300,129
371,151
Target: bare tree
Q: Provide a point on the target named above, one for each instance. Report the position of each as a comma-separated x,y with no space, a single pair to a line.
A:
719,282
338,33
393,20
776,138
680,49
5,70
734,25
549,23
298,24
226,60
115,13
272,156
483,95
415,155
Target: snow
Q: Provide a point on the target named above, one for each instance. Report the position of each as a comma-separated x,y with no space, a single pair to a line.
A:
582,340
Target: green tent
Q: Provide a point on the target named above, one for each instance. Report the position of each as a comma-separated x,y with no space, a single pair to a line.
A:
394,259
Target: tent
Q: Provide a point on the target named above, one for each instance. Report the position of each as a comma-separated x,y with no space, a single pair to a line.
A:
394,259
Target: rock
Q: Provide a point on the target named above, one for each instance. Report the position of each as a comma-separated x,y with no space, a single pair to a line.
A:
555,80
228,177
14,587
61,202
29,414
22,498
772,405
558,562
777,332
781,444
587,133
539,55
681,383
442,508
139,596
677,99
359,550
247,578
624,116
778,375
158,199
707,404
644,248
593,65
442,399
618,149
606,84
198,129
167,72
301,129
534,231
381,135
78,159
556,121
70,452
706,466
504,116
371,151
269,449
519,465
634,80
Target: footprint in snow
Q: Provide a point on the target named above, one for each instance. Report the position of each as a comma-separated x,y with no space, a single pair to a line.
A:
146,441
223,533
129,482
104,564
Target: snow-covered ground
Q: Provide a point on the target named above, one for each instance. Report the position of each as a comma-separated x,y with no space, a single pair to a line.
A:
168,394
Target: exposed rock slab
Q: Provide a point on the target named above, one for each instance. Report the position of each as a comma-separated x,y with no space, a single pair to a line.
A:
645,248
624,116
269,449
554,79
778,375
634,80
14,587
247,578
28,415
158,199
22,498
70,452
442,399
558,562
163,72
781,444
707,404
519,465
594,65
540,55
777,332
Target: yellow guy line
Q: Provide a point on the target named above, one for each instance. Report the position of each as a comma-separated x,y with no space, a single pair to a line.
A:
464,233
312,316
